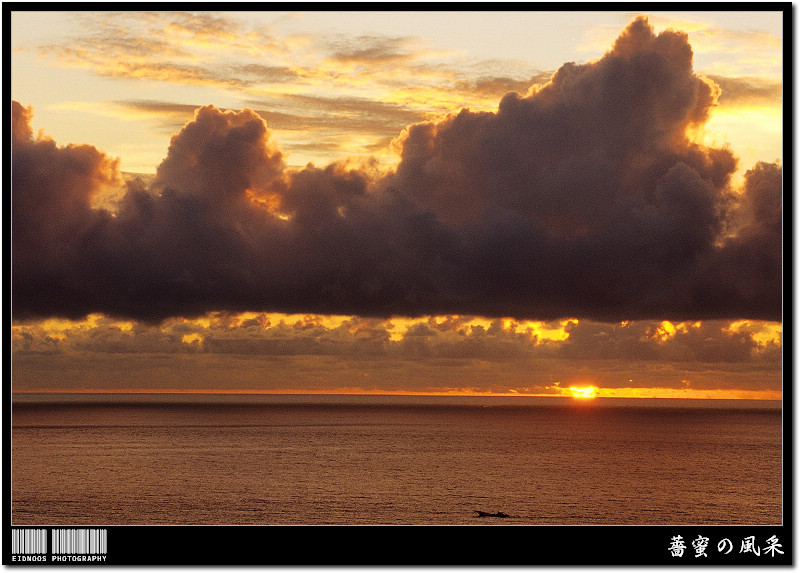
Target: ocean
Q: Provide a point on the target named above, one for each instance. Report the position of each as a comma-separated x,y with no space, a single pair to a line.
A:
392,460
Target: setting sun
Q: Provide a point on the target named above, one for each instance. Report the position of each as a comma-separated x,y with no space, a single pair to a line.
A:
583,392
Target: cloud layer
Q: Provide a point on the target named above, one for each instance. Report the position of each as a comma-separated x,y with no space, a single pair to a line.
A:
584,198
432,354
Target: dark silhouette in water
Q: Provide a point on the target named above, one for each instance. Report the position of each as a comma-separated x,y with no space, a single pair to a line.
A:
487,514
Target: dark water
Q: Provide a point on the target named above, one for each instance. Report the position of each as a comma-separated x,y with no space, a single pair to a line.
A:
384,461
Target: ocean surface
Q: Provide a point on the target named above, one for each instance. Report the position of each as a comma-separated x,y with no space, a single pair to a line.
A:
163,459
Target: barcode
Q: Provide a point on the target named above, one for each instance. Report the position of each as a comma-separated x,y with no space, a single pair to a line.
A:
80,541
28,541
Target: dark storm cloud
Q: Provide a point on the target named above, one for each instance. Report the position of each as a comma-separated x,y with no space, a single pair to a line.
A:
582,199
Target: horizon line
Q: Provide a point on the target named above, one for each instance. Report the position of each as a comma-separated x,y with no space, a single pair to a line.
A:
633,393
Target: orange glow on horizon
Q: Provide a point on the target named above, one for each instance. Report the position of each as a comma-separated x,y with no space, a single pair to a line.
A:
691,393
645,393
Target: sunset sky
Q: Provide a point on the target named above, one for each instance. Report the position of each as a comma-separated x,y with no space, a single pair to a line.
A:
391,202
